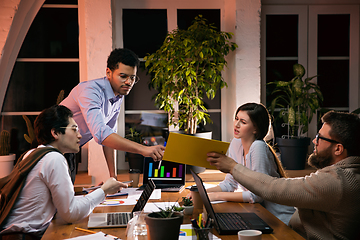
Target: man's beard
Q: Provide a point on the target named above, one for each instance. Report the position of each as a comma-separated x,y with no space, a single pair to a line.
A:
321,159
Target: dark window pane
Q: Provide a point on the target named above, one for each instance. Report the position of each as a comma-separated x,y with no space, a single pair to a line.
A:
185,17
35,86
333,81
53,34
144,30
140,96
334,34
215,127
147,124
277,71
282,35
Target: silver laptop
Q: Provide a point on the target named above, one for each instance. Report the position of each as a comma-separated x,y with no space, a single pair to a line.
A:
120,219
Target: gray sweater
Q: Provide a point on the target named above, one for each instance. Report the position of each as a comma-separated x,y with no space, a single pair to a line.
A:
327,201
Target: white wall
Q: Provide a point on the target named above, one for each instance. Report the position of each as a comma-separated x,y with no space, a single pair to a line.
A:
243,74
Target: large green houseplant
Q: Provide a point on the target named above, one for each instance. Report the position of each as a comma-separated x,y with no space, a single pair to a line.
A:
298,100
186,68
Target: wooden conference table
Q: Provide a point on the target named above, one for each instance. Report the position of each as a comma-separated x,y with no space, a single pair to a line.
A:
58,229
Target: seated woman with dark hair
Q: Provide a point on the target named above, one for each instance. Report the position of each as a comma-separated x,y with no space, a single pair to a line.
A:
251,124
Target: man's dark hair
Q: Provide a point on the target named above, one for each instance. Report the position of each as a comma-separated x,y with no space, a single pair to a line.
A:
54,117
345,128
124,56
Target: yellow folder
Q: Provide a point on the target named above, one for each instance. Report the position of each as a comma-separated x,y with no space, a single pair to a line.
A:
187,149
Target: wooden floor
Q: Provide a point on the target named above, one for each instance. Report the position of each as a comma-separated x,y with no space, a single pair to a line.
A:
83,179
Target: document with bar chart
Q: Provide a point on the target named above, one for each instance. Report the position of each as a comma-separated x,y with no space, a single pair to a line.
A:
171,172
169,177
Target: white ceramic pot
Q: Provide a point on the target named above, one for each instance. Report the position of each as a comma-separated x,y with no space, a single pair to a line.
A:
188,210
6,164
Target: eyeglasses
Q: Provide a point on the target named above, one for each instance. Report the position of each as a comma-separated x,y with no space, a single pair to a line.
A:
75,128
317,137
134,78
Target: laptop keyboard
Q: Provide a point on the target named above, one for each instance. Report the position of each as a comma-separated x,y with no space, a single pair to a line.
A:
231,221
117,218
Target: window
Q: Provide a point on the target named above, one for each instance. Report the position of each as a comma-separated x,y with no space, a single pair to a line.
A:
321,39
143,29
47,63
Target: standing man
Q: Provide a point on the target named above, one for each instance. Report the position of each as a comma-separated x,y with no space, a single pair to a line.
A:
327,201
47,188
96,106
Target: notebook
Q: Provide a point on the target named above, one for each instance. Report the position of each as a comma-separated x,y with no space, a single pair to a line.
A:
230,223
169,178
120,219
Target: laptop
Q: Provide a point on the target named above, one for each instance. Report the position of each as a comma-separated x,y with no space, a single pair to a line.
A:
230,223
120,219
169,178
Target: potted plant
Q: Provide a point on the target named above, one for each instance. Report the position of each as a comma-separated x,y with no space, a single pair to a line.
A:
136,161
164,224
188,205
186,67
6,159
298,99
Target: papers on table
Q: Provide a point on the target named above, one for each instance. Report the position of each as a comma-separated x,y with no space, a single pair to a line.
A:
96,236
133,196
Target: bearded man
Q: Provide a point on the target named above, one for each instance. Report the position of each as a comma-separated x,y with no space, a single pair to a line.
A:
326,201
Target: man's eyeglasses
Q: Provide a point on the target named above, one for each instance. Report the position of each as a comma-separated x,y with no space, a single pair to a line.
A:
134,78
75,128
317,137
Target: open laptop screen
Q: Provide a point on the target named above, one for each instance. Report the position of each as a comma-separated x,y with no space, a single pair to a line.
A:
169,172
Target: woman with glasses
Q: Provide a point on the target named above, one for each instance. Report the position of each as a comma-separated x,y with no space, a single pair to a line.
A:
251,124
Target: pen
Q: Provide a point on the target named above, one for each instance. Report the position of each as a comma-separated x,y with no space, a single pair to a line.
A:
84,230
161,160
200,221
194,223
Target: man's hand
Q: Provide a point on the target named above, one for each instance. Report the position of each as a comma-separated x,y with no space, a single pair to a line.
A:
221,162
112,186
156,152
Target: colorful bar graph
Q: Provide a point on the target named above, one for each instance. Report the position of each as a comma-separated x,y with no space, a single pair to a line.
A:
170,172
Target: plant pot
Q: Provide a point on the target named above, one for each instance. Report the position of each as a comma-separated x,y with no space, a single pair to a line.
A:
163,228
188,210
136,161
6,164
293,152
